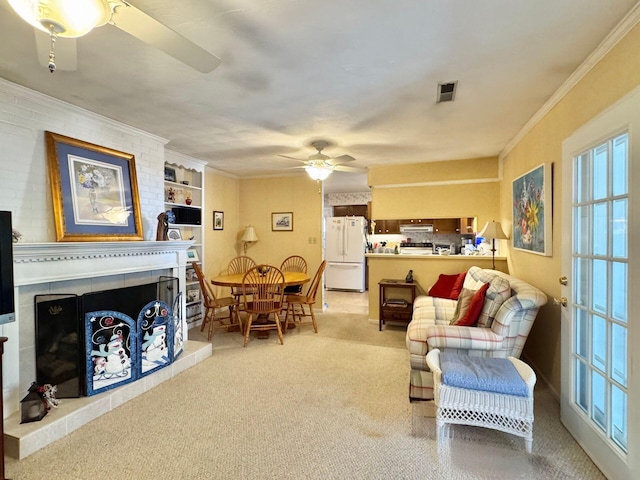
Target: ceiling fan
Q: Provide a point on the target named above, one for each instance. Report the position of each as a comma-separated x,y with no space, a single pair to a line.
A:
72,19
319,166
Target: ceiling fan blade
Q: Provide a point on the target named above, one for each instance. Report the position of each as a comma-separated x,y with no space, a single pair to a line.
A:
293,158
65,49
343,168
145,28
342,159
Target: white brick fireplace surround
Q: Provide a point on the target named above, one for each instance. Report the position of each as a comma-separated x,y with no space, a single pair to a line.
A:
78,268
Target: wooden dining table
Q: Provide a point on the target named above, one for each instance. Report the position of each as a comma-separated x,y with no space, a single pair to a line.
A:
235,280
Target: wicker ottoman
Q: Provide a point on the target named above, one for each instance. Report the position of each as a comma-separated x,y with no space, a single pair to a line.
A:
509,413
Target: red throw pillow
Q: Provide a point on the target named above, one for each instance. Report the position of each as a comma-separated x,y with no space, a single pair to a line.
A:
470,318
443,286
457,286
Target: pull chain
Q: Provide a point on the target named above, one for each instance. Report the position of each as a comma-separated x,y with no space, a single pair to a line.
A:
52,54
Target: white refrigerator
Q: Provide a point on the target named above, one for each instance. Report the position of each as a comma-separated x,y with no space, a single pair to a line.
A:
344,252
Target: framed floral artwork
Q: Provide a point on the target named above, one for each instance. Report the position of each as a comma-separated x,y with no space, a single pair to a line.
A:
532,210
95,191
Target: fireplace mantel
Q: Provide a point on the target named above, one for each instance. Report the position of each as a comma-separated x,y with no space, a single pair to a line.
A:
52,262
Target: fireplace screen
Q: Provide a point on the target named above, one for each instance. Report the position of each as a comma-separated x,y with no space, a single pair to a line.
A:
90,343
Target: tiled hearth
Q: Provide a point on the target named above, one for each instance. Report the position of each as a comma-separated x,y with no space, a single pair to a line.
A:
79,268
21,440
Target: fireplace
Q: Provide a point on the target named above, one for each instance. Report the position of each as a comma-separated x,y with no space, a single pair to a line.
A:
79,268
76,268
89,343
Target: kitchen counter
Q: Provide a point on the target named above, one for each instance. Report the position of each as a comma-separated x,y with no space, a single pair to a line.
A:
439,257
426,269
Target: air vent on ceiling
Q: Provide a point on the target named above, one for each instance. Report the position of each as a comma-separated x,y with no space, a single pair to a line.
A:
446,91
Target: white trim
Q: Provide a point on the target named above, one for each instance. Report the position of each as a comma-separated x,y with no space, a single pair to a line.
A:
171,157
36,263
610,41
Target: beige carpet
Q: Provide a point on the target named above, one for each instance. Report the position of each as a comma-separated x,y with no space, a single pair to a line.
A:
326,406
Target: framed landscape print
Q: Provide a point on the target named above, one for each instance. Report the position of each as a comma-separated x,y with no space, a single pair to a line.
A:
532,210
282,221
95,191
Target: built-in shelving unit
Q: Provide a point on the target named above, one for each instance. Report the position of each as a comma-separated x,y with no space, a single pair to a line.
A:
184,199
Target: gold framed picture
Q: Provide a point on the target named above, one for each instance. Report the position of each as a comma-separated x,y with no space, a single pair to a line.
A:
95,191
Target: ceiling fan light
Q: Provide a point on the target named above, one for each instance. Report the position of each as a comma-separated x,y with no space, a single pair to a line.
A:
67,18
319,172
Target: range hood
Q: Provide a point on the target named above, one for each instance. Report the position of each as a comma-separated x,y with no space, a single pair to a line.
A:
416,228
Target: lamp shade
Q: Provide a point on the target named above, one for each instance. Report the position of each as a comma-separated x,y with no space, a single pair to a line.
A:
319,171
65,18
249,234
492,230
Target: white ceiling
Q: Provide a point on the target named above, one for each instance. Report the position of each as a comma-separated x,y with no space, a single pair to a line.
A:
361,74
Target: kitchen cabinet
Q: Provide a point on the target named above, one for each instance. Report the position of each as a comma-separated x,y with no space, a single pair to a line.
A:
387,226
351,211
416,221
446,225
467,225
183,201
396,301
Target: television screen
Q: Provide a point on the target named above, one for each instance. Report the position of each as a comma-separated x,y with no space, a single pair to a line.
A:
7,307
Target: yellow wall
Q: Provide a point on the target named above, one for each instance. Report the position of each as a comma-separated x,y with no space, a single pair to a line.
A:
222,194
260,197
614,76
462,188
251,202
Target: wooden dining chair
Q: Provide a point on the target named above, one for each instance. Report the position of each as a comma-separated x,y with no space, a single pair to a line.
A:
294,263
213,304
240,264
296,303
263,291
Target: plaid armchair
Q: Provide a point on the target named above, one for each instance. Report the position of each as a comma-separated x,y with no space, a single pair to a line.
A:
509,309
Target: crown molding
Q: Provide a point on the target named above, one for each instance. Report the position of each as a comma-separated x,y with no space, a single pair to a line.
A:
610,41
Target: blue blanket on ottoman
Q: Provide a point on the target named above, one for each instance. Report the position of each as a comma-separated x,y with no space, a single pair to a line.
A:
486,374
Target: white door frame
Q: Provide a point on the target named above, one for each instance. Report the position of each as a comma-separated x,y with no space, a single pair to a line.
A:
622,116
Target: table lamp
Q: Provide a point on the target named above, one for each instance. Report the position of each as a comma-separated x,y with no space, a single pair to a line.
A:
493,230
249,235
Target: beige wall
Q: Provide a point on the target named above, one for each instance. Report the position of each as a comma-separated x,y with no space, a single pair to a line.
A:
260,197
617,74
220,246
251,202
463,188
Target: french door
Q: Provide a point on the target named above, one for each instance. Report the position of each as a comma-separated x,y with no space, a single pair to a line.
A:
600,314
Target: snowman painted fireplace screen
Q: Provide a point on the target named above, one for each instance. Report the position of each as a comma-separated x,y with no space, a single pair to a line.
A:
97,341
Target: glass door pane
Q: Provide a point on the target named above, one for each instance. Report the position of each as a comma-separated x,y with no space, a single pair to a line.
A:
600,289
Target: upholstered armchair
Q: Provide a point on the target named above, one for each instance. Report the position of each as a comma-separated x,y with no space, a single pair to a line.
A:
508,312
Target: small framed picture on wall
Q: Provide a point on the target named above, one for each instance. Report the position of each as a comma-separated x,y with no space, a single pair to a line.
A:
282,221
218,220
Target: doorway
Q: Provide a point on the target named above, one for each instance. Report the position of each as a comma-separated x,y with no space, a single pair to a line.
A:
598,269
